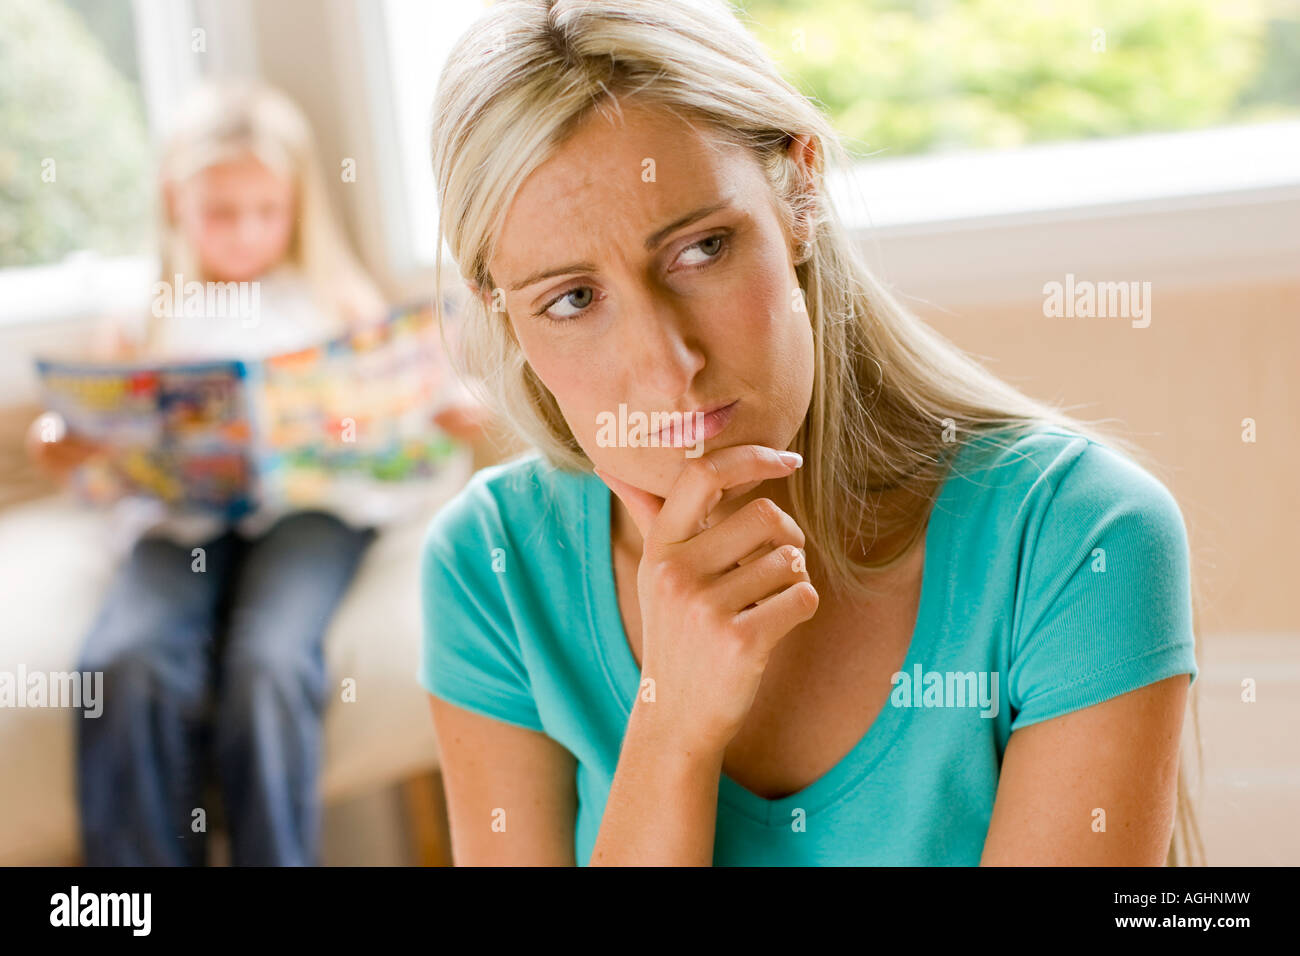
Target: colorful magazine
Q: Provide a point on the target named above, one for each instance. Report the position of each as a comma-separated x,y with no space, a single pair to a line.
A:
350,416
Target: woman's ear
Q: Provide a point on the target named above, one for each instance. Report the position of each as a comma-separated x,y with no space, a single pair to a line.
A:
802,150
486,296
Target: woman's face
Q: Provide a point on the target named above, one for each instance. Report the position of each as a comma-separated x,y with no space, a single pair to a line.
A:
238,217
617,299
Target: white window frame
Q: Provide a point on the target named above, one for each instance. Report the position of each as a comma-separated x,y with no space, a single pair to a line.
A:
1191,208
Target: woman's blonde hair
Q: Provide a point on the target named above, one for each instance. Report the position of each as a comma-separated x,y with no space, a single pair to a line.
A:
229,120
891,397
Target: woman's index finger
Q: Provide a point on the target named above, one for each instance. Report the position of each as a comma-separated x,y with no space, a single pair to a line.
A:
700,485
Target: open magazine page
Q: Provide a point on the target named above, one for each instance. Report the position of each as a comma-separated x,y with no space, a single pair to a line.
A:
178,433
346,426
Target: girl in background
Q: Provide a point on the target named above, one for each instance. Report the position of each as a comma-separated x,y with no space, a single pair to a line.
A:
229,658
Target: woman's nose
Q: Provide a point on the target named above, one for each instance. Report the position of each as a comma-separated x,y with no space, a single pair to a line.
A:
663,352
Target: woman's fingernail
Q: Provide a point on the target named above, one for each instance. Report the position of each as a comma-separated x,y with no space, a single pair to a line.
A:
791,458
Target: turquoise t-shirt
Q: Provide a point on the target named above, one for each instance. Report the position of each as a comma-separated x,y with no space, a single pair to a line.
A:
1056,576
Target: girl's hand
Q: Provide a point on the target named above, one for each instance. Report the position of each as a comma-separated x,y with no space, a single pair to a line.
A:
112,341
55,450
466,422
714,600
477,427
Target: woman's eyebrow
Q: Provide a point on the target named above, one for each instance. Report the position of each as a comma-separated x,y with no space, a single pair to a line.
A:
652,241
657,237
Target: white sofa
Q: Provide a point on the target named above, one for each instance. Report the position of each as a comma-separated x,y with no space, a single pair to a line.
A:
54,568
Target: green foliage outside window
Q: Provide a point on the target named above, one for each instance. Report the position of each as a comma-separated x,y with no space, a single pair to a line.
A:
901,78
75,154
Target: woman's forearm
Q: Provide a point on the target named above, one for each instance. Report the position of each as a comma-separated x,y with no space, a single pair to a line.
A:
663,805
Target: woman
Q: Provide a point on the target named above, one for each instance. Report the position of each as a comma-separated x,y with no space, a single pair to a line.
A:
955,627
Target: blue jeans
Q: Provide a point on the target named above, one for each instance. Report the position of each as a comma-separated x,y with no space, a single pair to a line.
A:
222,667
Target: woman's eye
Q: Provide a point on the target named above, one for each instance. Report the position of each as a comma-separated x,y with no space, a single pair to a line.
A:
572,293
721,241
713,247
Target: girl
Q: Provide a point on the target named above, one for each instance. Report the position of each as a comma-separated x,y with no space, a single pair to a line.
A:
897,612
230,658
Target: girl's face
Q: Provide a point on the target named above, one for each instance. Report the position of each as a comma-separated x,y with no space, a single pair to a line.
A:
238,217
642,266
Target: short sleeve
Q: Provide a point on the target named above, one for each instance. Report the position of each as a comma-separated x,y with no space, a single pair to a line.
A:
1106,602
470,654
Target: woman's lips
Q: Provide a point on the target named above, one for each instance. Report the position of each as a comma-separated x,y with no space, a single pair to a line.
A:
710,426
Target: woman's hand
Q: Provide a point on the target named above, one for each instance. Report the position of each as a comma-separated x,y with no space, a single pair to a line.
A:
56,450
714,600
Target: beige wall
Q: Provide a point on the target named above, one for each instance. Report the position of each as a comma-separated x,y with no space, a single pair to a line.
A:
1180,388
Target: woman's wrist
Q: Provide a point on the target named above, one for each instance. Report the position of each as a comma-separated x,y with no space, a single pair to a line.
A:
655,730
662,806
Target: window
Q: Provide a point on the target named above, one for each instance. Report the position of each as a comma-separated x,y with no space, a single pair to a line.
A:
991,137
974,112
966,110
418,36
76,164
89,84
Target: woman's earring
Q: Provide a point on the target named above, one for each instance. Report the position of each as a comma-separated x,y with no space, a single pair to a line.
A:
803,252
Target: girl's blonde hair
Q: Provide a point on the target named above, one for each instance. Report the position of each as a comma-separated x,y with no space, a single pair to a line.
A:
890,395
230,120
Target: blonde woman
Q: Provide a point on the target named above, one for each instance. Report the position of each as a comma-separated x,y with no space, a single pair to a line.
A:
870,606
230,658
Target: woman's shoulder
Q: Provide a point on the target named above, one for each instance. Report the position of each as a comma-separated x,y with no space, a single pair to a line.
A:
485,600
1056,467
523,501
1048,498
1093,551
